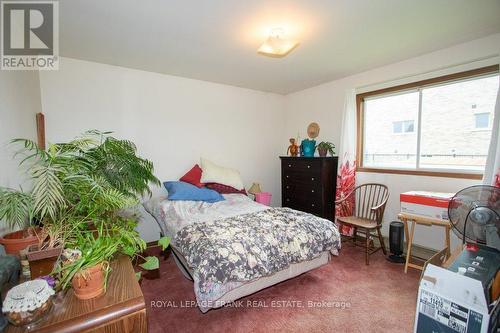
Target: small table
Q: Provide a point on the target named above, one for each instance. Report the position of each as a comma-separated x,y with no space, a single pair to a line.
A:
121,309
423,220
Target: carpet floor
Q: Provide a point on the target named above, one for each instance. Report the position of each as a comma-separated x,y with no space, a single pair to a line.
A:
344,295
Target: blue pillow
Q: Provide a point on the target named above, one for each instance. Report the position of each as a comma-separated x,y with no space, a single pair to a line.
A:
178,190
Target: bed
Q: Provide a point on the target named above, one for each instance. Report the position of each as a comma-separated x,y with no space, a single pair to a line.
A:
235,247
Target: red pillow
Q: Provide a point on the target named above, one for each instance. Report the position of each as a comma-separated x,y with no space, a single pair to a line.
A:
224,189
193,176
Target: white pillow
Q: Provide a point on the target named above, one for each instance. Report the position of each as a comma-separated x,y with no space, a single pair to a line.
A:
213,173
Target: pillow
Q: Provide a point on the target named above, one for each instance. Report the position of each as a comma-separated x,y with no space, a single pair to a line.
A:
189,192
224,189
212,173
193,176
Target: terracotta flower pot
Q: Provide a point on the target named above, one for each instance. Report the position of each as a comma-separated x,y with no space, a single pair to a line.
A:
42,262
18,240
89,283
322,152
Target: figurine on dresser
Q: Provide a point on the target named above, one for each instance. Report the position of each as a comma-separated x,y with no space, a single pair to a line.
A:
293,149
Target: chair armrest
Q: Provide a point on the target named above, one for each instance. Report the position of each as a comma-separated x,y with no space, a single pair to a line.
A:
379,211
340,201
379,206
336,202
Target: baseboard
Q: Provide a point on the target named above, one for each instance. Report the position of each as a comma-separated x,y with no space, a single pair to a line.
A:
417,251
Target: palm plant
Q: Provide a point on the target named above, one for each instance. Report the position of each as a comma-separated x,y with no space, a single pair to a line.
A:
16,207
83,180
79,185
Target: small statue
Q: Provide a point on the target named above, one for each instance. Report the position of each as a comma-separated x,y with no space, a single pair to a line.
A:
293,149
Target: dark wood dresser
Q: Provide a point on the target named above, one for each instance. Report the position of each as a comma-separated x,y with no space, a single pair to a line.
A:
309,183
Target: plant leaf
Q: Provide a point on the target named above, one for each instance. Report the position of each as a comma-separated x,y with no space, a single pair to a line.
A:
151,263
138,275
16,207
164,242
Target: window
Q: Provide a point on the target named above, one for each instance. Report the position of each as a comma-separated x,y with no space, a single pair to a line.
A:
403,127
436,127
482,120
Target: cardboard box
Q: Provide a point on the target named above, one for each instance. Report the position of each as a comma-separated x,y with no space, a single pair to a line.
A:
481,263
429,204
449,302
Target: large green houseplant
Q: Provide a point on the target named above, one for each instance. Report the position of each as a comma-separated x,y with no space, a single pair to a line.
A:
76,187
91,175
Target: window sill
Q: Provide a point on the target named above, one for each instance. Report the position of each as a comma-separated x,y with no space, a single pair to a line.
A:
403,133
446,174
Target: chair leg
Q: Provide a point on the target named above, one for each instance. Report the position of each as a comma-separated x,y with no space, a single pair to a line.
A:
367,246
381,240
354,233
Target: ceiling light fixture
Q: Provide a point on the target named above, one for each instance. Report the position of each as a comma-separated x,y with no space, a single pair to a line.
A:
276,46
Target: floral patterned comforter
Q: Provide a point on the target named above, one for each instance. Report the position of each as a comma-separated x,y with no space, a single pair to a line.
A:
225,253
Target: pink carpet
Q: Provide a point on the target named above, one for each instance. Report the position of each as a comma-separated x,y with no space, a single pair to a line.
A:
351,297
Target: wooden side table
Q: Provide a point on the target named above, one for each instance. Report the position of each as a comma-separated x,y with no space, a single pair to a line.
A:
423,220
121,309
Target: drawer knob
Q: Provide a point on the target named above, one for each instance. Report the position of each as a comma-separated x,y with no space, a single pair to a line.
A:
312,178
289,165
287,176
287,200
287,186
308,166
312,205
312,191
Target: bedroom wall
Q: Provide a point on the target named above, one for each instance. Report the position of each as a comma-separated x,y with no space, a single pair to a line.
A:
19,102
172,120
324,104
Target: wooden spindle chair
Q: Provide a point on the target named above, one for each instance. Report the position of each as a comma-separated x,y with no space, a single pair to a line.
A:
366,215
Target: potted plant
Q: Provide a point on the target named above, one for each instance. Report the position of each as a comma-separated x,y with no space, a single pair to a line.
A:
51,174
324,147
43,256
80,190
15,210
88,272
73,176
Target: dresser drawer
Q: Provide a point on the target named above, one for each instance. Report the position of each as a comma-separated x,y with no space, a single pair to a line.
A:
302,165
304,206
309,205
310,178
312,189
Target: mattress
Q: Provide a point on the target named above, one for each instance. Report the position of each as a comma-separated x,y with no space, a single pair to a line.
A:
251,287
172,216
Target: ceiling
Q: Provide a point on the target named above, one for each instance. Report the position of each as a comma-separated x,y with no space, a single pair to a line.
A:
217,40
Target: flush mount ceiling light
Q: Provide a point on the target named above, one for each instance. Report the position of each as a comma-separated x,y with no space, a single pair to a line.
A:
276,45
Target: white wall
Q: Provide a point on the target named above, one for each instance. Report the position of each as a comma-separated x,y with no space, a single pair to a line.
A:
172,120
324,104
19,102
